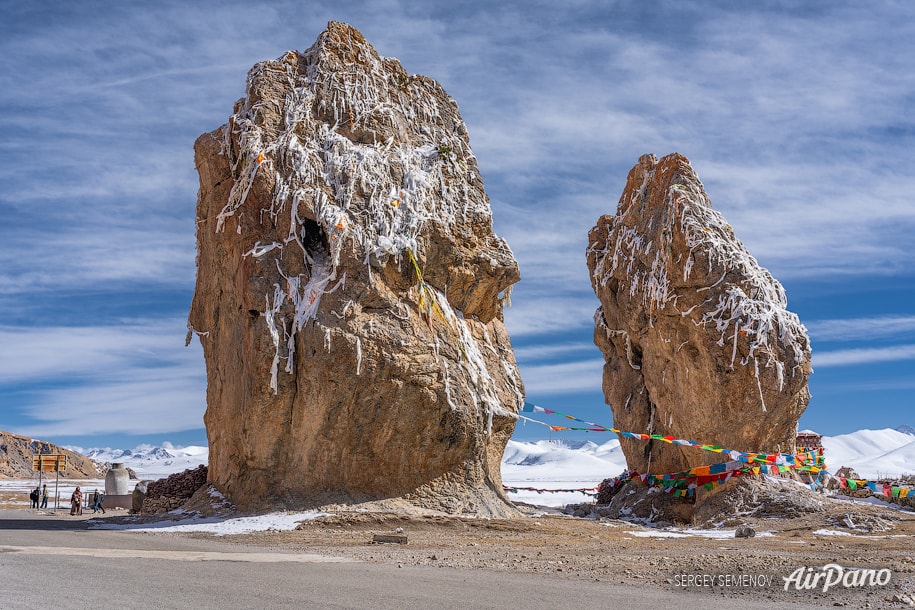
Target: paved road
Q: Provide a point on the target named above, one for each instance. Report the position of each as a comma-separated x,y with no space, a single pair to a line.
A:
46,561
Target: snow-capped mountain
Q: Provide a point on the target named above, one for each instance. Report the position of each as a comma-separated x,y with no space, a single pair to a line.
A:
559,460
565,464
873,454
906,429
151,462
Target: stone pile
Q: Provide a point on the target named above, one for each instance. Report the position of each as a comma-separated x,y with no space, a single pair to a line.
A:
170,493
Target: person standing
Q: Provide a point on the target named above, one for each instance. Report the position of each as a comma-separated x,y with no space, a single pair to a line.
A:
44,497
34,498
100,501
76,502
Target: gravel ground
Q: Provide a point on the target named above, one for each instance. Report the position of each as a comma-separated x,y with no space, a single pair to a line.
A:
853,535
621,552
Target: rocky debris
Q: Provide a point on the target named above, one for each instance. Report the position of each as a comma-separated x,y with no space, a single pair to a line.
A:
172,492
580,509
608,488
647,505
728,504
744,531
864,522
901,598
758,497
696,337
16,453
350,290
209,502
845,471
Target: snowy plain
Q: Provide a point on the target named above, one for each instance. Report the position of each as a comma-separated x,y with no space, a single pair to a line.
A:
541,465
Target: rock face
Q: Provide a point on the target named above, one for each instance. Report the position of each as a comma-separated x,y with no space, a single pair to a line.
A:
696,337
16,453
350,290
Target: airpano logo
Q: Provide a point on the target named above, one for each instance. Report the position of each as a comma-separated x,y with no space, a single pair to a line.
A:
833,575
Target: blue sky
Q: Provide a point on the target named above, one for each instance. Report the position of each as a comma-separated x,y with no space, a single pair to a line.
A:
798,121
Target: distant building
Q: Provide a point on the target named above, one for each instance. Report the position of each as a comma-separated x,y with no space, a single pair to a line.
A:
809,439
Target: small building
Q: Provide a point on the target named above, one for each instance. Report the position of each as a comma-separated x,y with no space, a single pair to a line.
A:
808,439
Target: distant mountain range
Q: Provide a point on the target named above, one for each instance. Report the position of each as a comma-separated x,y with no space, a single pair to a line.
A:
871,453
150,462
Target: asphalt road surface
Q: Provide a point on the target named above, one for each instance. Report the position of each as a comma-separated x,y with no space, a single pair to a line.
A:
47,561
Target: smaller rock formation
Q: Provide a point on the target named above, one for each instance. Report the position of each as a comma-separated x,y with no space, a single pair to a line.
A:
697,340
17,452
757,497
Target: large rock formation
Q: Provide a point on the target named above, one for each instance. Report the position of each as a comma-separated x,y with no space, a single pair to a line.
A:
695,335
350,290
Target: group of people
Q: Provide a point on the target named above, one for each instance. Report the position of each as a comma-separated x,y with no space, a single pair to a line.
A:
39,495
76,502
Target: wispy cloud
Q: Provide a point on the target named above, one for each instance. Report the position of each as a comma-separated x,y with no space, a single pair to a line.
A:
128,378
858,329
797,119
548,314
57,352
142,403
564,377
533,353
864,355
882,385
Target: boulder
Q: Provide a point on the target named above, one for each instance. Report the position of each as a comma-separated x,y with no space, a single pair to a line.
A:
137,497
697,341
744,531
349,291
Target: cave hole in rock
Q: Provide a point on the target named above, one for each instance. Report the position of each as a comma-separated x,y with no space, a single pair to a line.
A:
314,239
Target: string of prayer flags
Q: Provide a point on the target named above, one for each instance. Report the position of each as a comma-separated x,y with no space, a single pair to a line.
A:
588,491
809,460
710,476
532,408
877,488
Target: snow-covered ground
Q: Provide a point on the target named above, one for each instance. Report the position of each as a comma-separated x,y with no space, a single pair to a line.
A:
542,465
151,462
16,491
559,465
564,464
